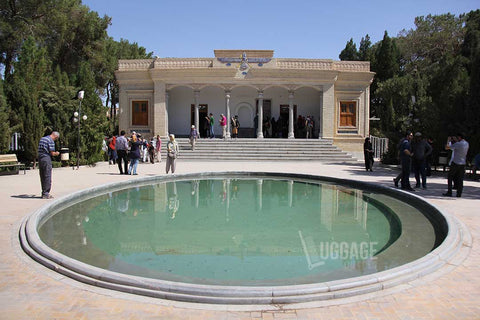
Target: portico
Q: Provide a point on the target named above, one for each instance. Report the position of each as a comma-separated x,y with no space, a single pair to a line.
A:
168,95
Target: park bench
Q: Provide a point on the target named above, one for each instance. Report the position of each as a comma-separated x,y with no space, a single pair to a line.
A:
11,161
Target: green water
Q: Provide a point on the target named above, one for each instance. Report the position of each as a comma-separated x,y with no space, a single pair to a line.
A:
229,231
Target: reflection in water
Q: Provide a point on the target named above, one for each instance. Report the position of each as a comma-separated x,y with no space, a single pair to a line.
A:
247,231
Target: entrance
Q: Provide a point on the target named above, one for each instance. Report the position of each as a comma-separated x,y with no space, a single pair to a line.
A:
202,122
283,120
267,109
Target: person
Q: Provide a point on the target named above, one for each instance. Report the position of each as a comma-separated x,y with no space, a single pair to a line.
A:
172,153
193,136
143,148
309,125
457,167
134,154
151,150
421,150
406,161
158,148
105,147
211,123
367,154
397,179
274,127
46,150
121,146
223,124
112,153
266,127
235,125
428,171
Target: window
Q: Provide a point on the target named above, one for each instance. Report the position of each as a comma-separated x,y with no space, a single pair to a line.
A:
140,113
348,114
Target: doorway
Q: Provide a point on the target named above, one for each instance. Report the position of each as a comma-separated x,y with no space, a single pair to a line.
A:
283,119
267,108
202,122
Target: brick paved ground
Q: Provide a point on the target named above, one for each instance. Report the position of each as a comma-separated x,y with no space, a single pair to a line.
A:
30,291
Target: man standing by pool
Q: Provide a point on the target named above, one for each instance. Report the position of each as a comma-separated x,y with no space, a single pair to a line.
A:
121,146
457,166
46,150
406,161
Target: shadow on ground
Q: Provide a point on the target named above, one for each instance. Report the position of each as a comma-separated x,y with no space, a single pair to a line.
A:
27,196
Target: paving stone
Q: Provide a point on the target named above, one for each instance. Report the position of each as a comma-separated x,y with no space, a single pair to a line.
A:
31,291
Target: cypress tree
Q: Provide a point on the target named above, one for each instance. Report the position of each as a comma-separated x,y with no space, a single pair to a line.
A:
350,52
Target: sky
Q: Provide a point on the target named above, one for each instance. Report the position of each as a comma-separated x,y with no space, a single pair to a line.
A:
312,29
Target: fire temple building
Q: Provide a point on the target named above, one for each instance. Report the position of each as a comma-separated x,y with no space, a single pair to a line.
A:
167,95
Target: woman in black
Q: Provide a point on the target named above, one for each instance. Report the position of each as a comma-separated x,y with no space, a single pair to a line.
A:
368,154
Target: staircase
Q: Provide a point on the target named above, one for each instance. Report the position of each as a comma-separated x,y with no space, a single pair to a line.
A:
263,149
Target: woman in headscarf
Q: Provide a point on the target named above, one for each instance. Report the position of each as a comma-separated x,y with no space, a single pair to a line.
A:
158,147
368,154
172,153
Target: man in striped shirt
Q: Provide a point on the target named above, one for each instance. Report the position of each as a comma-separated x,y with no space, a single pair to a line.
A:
46,150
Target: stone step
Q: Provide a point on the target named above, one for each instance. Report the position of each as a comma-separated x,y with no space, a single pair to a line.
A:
263,150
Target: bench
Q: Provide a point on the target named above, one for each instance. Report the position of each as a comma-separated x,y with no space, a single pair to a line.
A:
11,161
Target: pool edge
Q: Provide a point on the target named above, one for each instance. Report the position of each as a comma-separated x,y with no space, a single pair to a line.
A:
328,291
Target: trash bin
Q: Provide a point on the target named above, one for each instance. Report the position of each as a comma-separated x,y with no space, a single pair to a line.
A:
443,158
64,155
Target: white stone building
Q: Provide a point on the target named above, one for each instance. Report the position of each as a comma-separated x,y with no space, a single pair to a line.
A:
168,95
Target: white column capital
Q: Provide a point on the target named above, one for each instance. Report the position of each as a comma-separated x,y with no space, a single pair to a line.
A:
260,94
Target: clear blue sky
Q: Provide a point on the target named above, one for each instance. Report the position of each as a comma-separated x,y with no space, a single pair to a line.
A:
293,29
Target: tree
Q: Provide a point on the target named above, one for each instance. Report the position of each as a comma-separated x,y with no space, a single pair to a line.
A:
20,19
4,125
471,51
23,89
350,52
386,59
365,51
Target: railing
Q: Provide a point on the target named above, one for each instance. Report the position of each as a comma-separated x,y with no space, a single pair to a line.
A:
380,146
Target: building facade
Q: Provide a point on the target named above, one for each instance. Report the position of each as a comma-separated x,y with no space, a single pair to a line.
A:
168,95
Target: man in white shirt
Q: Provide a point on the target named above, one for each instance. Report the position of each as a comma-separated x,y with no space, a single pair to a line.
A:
457,166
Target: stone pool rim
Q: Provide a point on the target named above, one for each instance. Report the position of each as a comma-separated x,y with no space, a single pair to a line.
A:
246,295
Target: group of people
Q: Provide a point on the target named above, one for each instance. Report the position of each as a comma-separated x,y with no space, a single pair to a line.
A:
149,149
126,153
129,150
414,152
133,149
210,123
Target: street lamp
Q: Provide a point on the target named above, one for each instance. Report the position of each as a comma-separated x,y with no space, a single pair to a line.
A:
76,118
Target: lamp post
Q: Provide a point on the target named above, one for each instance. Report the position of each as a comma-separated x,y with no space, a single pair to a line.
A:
76,118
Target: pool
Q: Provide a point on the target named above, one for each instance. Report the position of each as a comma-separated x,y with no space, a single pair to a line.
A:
240,238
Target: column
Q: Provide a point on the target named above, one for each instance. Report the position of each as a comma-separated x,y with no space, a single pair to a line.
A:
291,134
159,114
328,111
290,193
123,110
196,95
259,194
227,213
227,112
366,106
167,96
260,115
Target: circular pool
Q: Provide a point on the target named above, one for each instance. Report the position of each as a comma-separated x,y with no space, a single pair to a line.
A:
240,238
